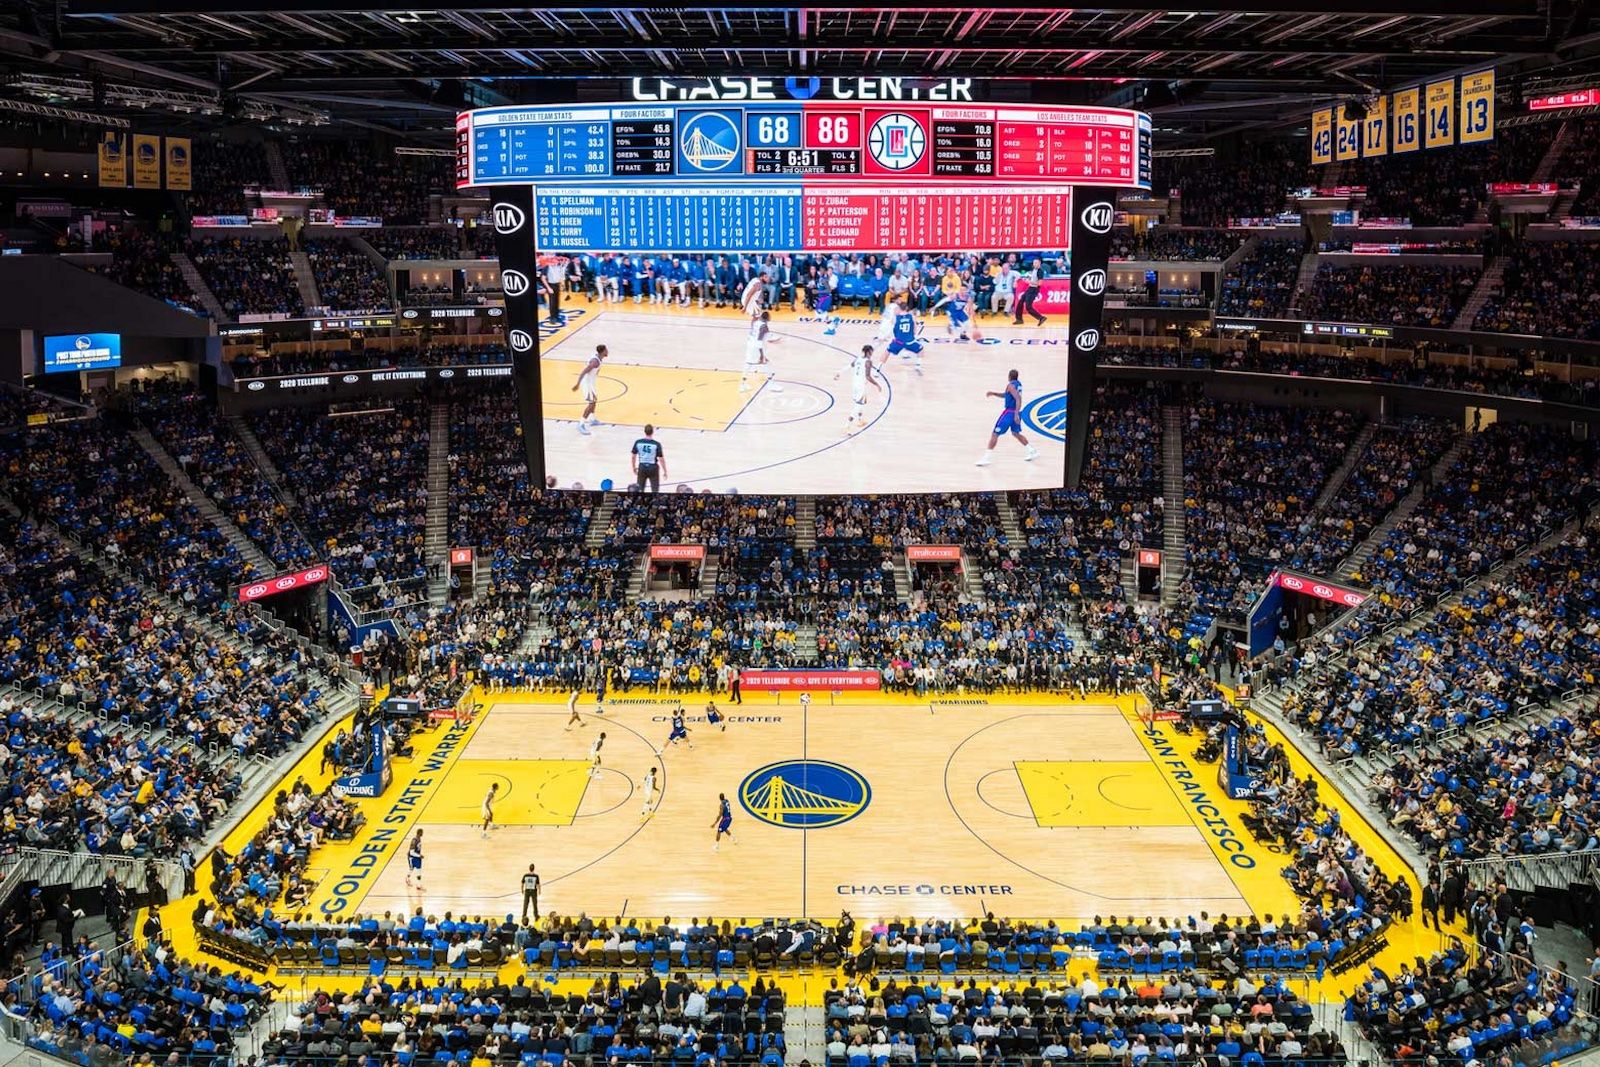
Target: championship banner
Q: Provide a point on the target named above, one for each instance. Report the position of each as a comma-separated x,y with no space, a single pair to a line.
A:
1440,131
113,157
1376,124
514,225
1477,107
179,171
1405,120
780,681
146,161
1347,136
1093,213
1322,136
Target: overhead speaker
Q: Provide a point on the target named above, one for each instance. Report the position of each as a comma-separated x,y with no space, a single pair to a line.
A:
1355,110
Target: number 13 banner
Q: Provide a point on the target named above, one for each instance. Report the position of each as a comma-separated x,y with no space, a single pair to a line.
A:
1477,107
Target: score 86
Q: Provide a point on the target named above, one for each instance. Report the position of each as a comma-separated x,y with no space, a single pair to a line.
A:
772,129
833,129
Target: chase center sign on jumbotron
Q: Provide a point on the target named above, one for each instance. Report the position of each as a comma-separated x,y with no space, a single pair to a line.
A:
948,90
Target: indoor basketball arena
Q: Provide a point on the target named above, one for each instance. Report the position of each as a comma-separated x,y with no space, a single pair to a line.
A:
754,535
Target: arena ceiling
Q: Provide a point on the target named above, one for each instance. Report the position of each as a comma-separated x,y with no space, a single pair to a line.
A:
407,70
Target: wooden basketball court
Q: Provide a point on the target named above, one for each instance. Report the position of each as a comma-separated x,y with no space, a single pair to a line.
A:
1029,809
680,368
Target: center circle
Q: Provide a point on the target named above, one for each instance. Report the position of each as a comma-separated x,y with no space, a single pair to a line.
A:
804,794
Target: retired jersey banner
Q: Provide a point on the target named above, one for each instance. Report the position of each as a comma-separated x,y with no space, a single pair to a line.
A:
146,161
1347,136
796,680
1440,129
1322,136
1407,137
179,164
113,158
1375,141
1477,107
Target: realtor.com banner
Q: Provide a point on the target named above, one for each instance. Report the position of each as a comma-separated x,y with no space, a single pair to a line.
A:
676,553
283,583
933,553
354,380
861,681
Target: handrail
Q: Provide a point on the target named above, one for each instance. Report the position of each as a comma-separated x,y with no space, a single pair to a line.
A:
1524,871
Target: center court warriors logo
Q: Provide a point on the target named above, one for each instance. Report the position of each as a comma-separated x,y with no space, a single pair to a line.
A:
1047,415
804,794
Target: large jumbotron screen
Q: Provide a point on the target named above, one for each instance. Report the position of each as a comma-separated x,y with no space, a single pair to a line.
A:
817,297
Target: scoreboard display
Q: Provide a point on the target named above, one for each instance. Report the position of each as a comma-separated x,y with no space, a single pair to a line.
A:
822,141
794,218
814,176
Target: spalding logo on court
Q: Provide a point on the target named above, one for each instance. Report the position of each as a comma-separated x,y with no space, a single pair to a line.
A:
1047,415
804,794
1097,217
508,218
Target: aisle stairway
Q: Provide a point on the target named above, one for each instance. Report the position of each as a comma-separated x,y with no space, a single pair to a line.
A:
1552,155
1404,509
436,539
1303,282
275,167
261,566
197,285
305,279
1174,543
1352,456
600,522
1488,285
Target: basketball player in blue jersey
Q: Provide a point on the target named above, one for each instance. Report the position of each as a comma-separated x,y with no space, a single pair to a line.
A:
955,306
903,332
1010,420
723,823
714,717
680,730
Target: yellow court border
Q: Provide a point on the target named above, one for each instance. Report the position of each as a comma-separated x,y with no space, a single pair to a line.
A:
1406,940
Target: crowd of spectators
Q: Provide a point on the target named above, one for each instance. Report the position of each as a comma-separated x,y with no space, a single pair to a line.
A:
248,276
1251,475
1166,243
361,483
1262,284
188,426
347,280
420,243
1386,470
221,170
1514,484
1549,288
358,178
1399,295
1426,188
1579,164
1247,180
142,261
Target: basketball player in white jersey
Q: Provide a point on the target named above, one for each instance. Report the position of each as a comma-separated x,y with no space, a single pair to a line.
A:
755,350
861,375
648,788
594,755
574,719
488,808
754,295
589,382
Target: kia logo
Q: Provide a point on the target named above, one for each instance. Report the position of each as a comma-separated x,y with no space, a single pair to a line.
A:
1093,282
315,575
1087,340
494,313
409,313
256,386
286,583
1097,217
255,591
350,379
514,282
447,373
508,218
521,341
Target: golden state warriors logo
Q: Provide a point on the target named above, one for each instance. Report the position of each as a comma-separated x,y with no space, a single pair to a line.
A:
804,794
